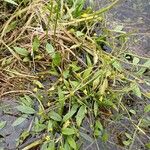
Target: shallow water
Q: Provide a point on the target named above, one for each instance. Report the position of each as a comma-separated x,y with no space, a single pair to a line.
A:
134,15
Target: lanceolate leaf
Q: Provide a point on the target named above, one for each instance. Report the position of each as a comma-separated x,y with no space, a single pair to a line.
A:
26,109
72,142
19,120
68,131
55,116
70,113
86,137
50,49
80,115
21,51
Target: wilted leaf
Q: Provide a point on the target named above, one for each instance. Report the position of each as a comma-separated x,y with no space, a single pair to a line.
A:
26,109
68,131
104,86
21,51
72,142
11,2
80,115
19,120
70,113
2,124
55,116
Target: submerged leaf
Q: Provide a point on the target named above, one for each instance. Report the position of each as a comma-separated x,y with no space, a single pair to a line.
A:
26,109
19,120
86,137
2,124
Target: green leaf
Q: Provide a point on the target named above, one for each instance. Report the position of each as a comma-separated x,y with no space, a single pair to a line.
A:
28,101
87,73
147,145
127,143
79,33
89,63
50,126
136,90
98,125
68,131
147,65
2,124
96,82
26,109
80,115
119,29
50,49
21,51
72,142
132,111
117,66
105,137
19,120
56,59
38,83
70,113
66,146
11,2
55,116
36,44
147,108
128,136
86,137
95,108
136,60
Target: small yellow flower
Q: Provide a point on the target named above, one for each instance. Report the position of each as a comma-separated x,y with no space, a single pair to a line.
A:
47,138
